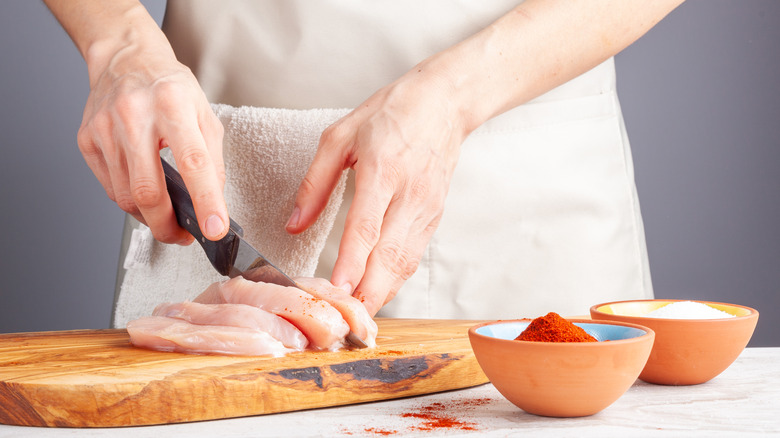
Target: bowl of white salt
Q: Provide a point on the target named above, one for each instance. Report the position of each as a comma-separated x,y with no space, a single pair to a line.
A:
694,340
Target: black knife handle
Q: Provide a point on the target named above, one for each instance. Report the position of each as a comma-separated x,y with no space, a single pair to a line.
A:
221,253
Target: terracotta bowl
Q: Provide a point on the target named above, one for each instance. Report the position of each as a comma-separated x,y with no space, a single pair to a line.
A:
562,379
686,351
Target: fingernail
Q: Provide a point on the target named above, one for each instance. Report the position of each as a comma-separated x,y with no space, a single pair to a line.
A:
214,226
294,218
346,287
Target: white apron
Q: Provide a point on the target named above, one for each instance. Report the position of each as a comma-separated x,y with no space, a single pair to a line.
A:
542,213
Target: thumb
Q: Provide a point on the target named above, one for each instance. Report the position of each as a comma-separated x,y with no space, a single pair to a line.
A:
317,185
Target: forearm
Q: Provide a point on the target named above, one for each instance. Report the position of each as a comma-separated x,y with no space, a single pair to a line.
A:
537,46
102,29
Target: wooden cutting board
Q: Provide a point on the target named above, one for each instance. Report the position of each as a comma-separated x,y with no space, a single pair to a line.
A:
95,378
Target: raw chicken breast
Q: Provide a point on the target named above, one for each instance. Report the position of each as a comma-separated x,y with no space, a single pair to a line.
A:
236,315
170,334
318,320
350,307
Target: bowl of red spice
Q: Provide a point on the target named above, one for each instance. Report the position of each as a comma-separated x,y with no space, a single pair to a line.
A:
558,367
694,340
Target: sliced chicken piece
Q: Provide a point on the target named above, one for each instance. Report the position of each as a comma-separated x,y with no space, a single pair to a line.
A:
171,334
351,309
322,324
236,315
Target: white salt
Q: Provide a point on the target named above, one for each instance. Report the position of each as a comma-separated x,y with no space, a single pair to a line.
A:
687,310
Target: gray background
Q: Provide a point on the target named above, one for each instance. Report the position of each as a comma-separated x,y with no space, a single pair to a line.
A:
701,99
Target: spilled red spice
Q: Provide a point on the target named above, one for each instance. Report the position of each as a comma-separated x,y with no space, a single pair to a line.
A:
377,431
434,418
434,422
553,328
474,402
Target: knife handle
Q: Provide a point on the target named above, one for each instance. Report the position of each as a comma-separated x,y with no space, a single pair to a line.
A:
221,253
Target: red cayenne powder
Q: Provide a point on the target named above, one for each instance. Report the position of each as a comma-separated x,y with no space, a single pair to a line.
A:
553,328
474,402
434,419
377,431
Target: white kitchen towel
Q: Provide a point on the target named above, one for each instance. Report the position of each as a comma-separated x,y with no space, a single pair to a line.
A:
267,152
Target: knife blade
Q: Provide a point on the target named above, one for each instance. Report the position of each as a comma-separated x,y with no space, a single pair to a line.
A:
232,255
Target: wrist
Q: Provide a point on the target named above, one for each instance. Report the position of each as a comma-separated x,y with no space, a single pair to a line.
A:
475,72
130,35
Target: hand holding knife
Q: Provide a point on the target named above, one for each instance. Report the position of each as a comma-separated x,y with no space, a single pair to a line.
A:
232,255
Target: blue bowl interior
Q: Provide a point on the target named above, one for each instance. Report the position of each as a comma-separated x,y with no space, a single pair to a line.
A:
602,332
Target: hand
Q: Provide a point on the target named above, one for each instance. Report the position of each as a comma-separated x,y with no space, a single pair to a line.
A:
141,100
403,143
135,109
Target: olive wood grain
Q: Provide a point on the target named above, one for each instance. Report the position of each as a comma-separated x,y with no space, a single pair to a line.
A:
95,378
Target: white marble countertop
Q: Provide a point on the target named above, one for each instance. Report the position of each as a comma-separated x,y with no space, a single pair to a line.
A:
743,401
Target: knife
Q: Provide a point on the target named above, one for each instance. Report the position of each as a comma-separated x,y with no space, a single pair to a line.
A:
231,255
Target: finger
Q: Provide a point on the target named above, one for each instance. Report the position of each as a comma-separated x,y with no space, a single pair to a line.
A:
213,134
99,167
133,160
120,181
200,173
148,189
395,257
106,136
94,159
361,229
320,180
138,180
